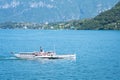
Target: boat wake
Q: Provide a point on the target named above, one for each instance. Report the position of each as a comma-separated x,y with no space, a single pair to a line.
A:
14,58
9,58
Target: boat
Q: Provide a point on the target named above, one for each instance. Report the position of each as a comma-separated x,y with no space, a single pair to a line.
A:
43,55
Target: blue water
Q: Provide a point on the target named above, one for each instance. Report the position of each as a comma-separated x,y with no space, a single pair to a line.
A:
98,55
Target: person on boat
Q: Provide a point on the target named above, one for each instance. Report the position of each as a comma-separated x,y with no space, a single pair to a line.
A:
41,50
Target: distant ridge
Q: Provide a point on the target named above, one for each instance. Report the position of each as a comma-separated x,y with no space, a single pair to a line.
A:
108,20
42,11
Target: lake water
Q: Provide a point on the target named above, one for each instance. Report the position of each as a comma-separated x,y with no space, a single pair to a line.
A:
98,55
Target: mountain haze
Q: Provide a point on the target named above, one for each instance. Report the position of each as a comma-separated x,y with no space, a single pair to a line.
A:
43,11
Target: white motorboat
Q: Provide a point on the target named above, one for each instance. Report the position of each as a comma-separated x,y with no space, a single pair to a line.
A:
43,55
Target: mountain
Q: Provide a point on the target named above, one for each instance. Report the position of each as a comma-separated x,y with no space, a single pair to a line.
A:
45,11
107,20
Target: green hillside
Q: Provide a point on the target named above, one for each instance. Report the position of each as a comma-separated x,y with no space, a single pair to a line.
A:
108,20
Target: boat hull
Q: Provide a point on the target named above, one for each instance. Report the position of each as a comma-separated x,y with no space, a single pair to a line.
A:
30,56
